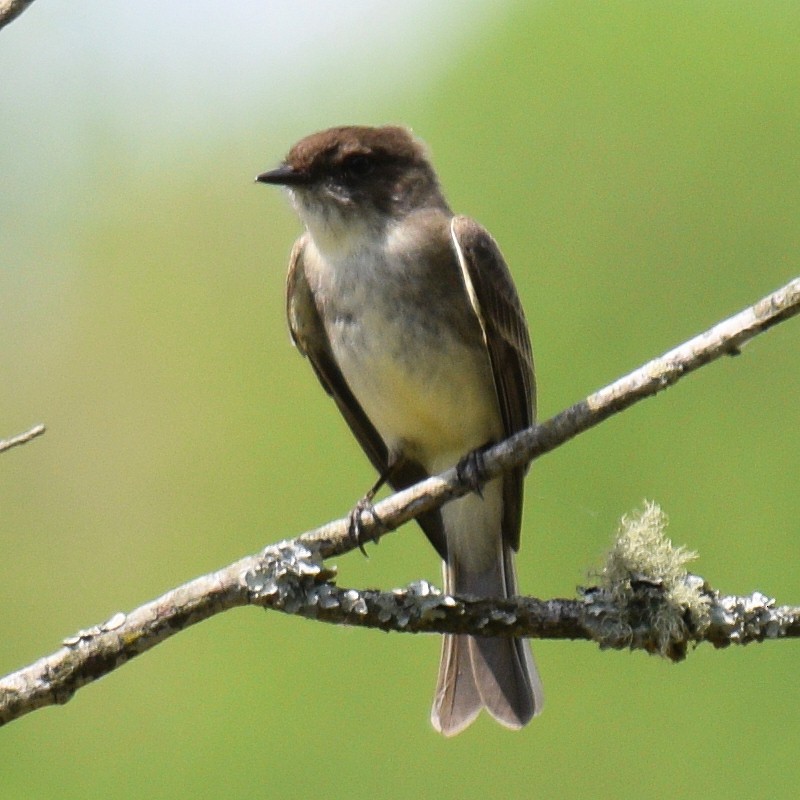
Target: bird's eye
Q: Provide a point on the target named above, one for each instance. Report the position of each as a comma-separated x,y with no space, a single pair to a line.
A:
357,166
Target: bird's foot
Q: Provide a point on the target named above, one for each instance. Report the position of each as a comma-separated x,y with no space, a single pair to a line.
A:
355,528
471,471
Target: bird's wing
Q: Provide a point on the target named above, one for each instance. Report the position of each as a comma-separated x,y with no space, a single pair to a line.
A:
496,304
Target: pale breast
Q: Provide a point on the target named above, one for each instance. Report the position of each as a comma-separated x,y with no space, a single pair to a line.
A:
406,342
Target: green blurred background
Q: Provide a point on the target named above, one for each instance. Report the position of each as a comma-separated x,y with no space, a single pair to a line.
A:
638,163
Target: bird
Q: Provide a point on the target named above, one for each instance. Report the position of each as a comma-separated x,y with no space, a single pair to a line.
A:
411,321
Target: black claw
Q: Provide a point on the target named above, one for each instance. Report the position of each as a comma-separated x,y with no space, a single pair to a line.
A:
355,530
471,471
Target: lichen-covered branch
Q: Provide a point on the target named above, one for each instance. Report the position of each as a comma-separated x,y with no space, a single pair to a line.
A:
638,624
420,608
645,599
639,602
294,579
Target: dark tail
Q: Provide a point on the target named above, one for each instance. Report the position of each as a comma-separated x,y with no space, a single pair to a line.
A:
497,674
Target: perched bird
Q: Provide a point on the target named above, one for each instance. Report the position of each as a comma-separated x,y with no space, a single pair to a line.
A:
410,319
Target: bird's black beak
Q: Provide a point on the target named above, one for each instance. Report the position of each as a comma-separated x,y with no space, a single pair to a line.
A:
283,176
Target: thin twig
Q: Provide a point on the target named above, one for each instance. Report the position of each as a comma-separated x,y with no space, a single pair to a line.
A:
22,438
283,575
725,338
11,9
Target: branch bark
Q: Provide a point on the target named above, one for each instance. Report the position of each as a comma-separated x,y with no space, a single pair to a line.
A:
22,438
11,9
292,577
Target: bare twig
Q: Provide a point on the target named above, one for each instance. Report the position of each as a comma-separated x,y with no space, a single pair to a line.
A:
725,338
22,438
291,576
11,9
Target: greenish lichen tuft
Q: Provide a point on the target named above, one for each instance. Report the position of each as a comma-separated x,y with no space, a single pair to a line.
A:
645,597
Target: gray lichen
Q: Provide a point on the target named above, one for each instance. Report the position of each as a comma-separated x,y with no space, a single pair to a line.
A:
293,578
738,620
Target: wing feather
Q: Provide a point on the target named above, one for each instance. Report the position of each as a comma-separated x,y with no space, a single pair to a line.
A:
498,308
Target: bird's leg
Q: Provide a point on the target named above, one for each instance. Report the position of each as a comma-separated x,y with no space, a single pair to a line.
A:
355,529
471,470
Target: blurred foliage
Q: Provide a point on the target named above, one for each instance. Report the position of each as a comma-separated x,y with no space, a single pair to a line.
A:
638,163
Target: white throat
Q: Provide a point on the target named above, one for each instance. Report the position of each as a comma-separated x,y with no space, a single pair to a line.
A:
339,235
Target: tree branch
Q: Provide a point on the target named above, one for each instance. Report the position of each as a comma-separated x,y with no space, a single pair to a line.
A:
725,338
291,576
22,438
11,9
